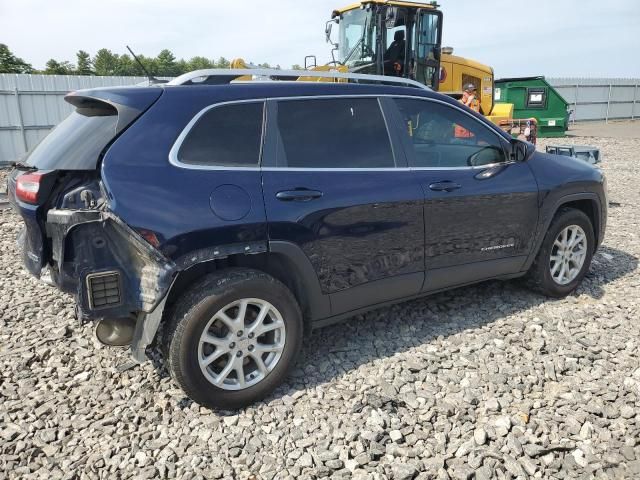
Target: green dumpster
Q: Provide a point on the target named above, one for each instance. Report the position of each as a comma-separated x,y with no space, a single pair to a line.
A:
535,97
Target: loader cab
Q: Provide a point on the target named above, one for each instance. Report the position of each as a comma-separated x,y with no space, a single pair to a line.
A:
389,38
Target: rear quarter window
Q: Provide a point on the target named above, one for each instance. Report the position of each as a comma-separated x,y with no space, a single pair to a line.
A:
225,136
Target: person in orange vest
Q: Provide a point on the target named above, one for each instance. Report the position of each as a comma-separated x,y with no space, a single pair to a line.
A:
470,99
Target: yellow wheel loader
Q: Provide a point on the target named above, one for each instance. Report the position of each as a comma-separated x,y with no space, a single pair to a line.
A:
404,39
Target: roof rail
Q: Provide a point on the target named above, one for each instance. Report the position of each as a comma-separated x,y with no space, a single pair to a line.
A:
219,76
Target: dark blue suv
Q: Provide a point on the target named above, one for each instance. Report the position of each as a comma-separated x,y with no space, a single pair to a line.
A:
239,215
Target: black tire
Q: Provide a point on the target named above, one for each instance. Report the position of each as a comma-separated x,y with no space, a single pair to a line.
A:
198,305
539,276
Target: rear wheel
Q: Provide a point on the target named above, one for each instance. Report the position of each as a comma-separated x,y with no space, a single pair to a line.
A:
233,338
565,255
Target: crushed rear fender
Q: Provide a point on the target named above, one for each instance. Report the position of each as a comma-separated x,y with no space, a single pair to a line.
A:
96,254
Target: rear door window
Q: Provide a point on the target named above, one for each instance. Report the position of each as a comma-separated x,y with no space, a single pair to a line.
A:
225,136
333,133
77,142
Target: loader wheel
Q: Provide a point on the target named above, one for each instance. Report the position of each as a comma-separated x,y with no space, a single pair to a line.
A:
233,337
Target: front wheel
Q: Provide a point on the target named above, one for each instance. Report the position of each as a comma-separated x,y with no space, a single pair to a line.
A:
233,337
565,255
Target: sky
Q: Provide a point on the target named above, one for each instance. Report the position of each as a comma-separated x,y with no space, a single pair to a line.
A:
555,38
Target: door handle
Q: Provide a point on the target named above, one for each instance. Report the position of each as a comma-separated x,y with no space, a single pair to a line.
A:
302,195
446,186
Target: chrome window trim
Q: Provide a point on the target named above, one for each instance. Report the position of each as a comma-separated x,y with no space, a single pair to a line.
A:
334,169
173,153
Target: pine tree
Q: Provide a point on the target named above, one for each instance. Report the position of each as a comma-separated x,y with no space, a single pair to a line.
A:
200,63
126,66
53,67
84,66
166,64
105,62
9,63
223,63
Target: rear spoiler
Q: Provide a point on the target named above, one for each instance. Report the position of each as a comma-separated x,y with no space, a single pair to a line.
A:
127,102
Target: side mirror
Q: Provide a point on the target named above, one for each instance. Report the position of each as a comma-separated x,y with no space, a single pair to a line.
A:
488,155
327,31
520,151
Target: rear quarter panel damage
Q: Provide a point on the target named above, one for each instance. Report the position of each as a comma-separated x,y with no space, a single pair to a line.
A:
87,242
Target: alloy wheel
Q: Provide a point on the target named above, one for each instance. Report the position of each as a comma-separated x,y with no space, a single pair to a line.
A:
568,254
241,344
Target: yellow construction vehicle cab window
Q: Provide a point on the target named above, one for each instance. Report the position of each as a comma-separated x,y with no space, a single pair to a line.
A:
393,38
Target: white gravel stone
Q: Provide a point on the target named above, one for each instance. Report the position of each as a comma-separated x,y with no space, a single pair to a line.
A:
480,436
395,393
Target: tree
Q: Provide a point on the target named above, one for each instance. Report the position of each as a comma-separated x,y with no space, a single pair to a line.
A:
295,66
84,66
182,66
200,63
53,67
105,62
9,63
126,66
148,62
223,63
166,64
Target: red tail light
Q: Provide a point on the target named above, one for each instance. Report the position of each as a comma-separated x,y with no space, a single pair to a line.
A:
27,187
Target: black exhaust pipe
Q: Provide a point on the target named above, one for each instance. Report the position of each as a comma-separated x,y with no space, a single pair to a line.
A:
115,332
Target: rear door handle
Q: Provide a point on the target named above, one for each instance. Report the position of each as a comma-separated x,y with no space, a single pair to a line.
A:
302,195
446,186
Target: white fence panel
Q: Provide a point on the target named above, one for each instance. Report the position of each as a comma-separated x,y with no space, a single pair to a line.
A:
31,105
600,98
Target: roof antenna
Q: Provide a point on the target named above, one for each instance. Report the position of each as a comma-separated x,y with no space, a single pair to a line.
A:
152,80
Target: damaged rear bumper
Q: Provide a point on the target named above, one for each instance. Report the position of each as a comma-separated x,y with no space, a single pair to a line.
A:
105,264
111,271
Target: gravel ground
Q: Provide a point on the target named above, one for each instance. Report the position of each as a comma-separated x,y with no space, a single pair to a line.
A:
490,381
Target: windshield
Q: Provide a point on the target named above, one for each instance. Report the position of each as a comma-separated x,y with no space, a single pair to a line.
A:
357,35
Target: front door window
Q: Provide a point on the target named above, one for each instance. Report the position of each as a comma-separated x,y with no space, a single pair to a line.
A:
442,136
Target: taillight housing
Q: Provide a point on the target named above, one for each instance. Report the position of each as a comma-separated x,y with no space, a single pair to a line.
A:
28,186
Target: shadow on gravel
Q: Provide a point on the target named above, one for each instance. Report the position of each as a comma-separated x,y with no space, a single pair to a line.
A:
337,349
607,265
